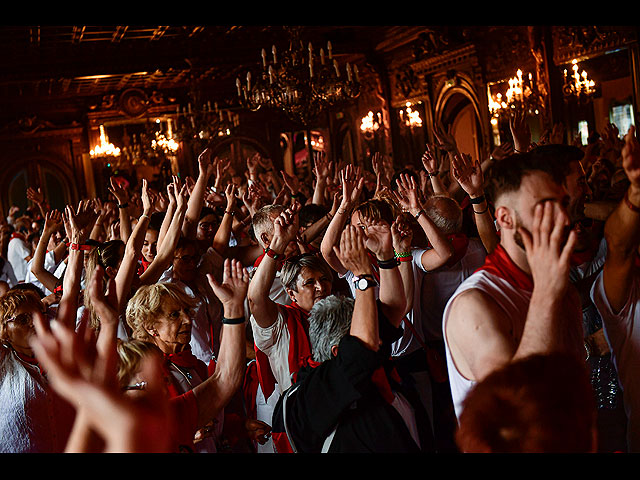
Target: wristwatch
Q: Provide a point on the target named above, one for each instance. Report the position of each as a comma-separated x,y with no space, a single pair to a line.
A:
364,281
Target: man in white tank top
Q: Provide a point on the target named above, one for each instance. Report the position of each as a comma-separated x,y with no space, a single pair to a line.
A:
520,302
616,291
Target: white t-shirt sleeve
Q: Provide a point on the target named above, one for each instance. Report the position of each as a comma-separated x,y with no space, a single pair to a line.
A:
273,341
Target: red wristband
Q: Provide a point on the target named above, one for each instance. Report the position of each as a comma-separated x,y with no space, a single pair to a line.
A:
629,204
78,246
272,254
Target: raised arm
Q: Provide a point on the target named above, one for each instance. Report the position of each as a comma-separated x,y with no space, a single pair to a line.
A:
52,222
408,197
132,251
352,183
622,230
322,168
364,320
223,234
122,197
214,393
196,200
285,230
520,132
78,226
431,164
402,235
378,240
469,176
166,251
172,190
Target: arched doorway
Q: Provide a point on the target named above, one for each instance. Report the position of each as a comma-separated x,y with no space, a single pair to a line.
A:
52,178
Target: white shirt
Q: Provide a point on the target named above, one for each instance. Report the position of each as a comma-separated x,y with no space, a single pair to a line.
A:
514,302
17,252
622,331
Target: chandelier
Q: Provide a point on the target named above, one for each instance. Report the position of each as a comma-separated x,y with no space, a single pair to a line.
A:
577,85
410,117
299,82
104,148
202,123
522,95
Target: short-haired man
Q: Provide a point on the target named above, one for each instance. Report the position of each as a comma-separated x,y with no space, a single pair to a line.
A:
520,302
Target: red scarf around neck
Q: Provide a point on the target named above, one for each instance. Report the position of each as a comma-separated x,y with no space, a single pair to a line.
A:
500,264
299,348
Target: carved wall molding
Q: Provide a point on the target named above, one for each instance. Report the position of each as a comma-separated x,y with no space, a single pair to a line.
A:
578,41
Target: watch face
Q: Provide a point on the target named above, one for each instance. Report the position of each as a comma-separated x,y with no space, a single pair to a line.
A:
362,283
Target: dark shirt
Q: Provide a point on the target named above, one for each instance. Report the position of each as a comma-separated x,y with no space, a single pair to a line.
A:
341,392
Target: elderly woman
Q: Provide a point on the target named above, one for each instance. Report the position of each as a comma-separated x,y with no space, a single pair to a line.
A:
32,417
162,314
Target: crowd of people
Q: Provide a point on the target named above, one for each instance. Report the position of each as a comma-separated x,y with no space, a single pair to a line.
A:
465,305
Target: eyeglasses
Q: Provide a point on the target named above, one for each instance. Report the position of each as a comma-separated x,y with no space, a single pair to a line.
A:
137,386
22,319
188,258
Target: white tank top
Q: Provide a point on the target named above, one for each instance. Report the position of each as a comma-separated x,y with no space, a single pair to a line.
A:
515,303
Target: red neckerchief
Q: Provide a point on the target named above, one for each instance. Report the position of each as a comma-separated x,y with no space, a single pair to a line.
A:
460,244
186,359
500,264
299,348
17,235
143,266
578,258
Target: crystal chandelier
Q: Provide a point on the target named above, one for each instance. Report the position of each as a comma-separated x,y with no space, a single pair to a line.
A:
577,85
522,95
104,148
299,82
165,143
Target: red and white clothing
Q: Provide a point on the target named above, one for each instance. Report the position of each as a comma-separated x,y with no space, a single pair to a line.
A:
511,288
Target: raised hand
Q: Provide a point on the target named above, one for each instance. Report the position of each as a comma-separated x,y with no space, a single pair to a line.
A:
322,167
407,194
118,191
446,140
468,174
379,239
285,228
233,289
430,160
78,224
146,197
230,194
502,151
205,164
352,251
52,221
549,249
291,181
520,131
557,134
352,184
401,235
35,195
631,157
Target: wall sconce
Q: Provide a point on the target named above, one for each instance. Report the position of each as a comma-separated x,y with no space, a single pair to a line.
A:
370,124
